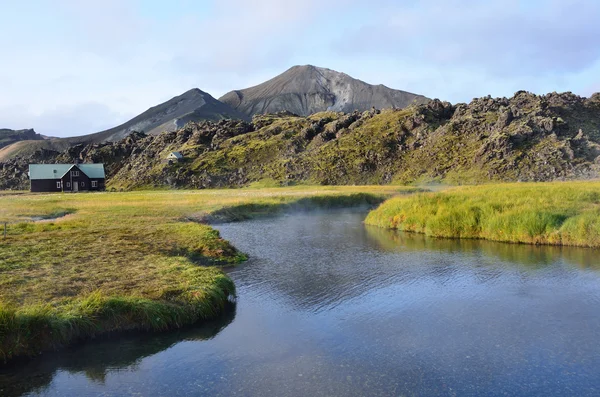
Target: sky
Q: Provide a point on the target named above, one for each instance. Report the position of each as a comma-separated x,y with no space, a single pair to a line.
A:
73,67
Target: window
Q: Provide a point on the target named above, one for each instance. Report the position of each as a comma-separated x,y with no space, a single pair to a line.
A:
94,183
68,184
58,185
82,184
74,173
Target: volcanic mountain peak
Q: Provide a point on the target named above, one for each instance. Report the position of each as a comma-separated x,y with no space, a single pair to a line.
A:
192,105
309,89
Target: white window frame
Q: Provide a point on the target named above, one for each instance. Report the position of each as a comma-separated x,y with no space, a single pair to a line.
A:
94,183
58,185
68,184
74,173
82,184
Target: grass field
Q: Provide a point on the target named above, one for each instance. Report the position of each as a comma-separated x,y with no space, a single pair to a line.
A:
558,213
122,261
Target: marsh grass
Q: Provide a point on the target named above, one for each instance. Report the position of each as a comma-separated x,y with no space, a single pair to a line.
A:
128,261
558,213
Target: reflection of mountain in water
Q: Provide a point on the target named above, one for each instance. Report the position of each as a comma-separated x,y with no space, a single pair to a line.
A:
96,359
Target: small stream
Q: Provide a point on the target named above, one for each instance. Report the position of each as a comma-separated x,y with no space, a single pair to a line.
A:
330,307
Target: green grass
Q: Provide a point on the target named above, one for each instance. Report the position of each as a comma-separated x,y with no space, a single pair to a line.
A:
558,213
128,261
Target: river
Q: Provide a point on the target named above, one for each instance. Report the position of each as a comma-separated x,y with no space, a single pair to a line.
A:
328,306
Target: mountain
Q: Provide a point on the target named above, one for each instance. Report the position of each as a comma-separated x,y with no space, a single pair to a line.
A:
523,138
304,90
8,137
193,105
301,90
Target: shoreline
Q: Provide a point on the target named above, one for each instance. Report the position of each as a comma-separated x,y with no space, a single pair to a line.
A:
204,291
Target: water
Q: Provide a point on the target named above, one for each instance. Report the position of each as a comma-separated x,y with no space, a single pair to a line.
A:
328,306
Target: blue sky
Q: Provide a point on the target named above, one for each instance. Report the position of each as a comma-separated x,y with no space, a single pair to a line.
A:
72,67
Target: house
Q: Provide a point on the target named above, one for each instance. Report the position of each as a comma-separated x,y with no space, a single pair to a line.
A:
175,156
66,177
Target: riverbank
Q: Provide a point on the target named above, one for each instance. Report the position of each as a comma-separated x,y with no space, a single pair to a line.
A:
129,261
557,213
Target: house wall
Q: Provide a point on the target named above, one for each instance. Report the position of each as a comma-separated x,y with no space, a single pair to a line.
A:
49,185
83,182
45,185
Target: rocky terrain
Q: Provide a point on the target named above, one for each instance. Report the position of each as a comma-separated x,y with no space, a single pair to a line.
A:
301,90
523,138
8,136
305,90
193,105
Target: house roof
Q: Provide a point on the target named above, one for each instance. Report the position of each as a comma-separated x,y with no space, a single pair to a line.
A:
176,154
56,171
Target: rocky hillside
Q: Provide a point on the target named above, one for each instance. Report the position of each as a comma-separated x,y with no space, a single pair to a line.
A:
305,90
8,137
302,90
193,105
523,138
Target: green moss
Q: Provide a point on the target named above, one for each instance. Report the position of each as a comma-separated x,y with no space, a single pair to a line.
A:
491,117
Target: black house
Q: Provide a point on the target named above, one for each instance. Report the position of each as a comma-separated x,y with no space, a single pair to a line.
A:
66,177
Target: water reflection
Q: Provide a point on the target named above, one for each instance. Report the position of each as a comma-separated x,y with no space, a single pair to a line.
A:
319,263
328,306
531,256
98,358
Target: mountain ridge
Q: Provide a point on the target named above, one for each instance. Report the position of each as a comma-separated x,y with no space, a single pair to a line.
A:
302,90
192,105
9,136
308,89
523,138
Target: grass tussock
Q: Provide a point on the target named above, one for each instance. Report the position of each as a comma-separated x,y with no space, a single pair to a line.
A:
127,261
36,328
559,213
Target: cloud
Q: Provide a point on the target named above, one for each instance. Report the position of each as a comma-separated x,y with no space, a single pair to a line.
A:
243,37
502,38
110,28
81,119
92,63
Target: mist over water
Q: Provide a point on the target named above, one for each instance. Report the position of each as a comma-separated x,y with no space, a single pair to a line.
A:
328,306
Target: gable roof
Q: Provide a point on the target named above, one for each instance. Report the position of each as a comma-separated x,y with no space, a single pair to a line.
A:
57,171
176,154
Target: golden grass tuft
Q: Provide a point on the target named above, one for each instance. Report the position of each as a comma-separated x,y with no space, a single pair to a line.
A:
557,213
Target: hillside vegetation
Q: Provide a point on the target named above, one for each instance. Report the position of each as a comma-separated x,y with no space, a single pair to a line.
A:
76,266
524,138
559,213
